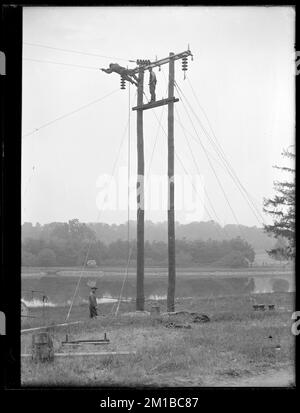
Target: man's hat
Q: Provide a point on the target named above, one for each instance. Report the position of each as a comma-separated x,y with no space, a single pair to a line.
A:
92,284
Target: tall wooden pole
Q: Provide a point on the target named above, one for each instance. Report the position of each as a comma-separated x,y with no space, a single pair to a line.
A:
171,220
140,299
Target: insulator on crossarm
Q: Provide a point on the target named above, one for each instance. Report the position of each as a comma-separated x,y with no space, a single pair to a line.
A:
184,63
123,84
143,62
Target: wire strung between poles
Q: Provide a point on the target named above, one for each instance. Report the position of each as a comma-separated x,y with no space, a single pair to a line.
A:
60,63
197,167
70,113
228,165
213,169
179,159
90,243
77,52
220,152
131,250
177,156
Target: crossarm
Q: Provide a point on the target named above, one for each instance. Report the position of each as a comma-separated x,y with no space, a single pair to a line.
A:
163,61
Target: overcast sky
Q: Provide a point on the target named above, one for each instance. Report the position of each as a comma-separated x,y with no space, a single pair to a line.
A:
242,75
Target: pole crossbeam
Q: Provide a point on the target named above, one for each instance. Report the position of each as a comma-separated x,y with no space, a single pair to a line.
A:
155,104
163,61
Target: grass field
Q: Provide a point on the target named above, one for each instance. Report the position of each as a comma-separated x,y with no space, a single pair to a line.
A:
238,346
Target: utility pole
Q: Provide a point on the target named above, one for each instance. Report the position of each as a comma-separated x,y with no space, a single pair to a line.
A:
140,299
142,66
171,222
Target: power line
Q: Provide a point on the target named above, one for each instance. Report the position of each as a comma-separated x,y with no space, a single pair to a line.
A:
69,113
76,51
195,164
27,186
211,205
219,150
228,165
224,166
197,167
207,211
196,140
211,165
60,63
99,213
229,169
131,250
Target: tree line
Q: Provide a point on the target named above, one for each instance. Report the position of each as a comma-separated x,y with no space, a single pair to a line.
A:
158,231
75,243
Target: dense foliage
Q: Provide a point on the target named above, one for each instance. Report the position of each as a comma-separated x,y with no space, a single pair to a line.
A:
158,231
282,210
74,243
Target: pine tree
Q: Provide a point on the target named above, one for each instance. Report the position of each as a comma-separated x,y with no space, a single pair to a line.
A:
282,209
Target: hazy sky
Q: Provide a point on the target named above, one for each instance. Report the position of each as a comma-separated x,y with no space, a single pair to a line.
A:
243,77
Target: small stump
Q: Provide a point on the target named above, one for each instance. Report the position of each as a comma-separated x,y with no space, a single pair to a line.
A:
42,347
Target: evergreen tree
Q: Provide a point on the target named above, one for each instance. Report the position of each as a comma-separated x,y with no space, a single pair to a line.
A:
282,209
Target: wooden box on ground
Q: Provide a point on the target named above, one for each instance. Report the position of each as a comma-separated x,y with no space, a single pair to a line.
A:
42,347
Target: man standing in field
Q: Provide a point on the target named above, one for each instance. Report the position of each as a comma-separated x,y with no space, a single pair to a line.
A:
93,303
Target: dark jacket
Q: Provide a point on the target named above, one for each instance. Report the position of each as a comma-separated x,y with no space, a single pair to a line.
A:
92,300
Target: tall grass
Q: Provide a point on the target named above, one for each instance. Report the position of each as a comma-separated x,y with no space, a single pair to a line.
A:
235,343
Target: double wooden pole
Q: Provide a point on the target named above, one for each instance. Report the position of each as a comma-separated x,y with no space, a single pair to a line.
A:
140,298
